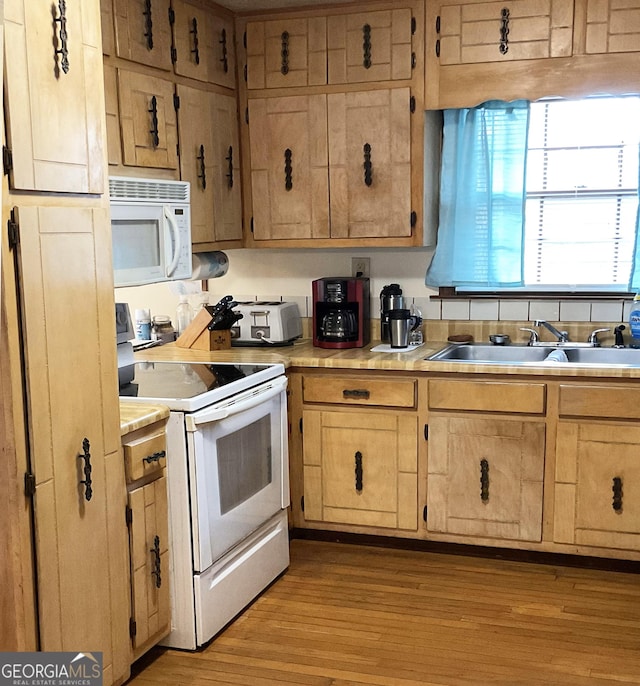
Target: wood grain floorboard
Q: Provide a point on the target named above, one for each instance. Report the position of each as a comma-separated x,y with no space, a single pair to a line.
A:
347,615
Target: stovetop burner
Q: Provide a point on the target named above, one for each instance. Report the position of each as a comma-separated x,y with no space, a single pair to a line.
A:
191,386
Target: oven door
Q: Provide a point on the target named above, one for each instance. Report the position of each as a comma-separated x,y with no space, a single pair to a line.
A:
238,463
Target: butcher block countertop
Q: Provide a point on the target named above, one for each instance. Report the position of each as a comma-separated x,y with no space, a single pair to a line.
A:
303,354
135,416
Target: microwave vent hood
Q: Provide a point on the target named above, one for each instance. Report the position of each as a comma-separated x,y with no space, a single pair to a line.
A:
128,189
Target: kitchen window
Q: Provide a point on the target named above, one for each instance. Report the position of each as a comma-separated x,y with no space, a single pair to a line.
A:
539,197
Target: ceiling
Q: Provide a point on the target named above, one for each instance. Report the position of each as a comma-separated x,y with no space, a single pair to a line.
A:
253,5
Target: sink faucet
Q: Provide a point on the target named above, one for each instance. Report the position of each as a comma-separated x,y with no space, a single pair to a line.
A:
562,336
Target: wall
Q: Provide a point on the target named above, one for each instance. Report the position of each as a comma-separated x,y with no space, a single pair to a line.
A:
287,274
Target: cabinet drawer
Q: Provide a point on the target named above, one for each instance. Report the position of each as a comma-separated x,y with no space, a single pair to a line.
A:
144,455
600,401
487,396
359,391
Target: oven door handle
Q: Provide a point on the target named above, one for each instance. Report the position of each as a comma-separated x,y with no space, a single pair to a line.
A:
243,401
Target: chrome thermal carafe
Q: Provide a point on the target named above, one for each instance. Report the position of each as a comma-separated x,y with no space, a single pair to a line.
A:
391,298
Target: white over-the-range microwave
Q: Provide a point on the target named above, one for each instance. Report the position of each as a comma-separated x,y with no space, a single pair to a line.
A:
151,230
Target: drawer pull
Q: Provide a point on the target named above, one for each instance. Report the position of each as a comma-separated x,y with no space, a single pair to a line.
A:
356,393
63,51
148,24
225,56
156,571
203,171
196,43
366,46
155,457
153,111
504,31
358,459
86,456
484,480
617,494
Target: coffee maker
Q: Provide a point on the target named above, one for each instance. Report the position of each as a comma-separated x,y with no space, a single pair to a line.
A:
340,312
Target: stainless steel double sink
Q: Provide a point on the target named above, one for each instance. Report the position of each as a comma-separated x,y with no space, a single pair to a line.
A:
521,354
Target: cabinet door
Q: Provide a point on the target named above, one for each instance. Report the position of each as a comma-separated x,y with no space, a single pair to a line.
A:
74,422
485,477
289,177
143,32
204,44
287,53
612,26
361,468
597,490
370,163
55,100
472,32
148,125
372,46
210,159
149,564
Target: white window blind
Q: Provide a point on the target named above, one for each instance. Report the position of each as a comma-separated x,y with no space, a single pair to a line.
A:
582,193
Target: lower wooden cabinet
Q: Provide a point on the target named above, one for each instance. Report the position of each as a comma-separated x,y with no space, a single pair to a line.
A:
485,476
360,451
361,468
597,474
147,517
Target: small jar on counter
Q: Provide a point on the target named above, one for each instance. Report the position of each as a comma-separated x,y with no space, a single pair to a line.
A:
162,330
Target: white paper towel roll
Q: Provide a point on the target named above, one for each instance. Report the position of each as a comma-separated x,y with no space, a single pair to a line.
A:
209,265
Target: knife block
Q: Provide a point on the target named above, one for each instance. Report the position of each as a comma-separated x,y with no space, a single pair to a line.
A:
198,337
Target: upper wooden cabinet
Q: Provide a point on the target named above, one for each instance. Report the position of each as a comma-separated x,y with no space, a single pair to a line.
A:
612,26
334,166
210,161
287,52
143,32
55,115
478,50
470,32
365,47
148,122
203,44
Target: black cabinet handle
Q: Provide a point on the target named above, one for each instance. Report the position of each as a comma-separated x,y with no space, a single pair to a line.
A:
203,174
617,494
484,480
284,53
355,393
156,571
195,51
358,470
153,111
366,46
368,167
229,159
86,456
504,31
288,169
155,457
148,24
63,50
224,59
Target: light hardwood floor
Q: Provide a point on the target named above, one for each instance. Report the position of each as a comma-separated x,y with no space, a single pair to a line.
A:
346,615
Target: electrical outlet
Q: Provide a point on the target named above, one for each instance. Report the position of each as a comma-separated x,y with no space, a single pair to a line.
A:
360,266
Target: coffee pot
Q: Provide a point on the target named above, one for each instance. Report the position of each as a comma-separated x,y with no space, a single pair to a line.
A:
339,325
391,298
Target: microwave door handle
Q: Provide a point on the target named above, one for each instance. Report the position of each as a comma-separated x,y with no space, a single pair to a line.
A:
173,227
217,413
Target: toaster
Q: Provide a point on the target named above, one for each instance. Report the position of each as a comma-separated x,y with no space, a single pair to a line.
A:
266,322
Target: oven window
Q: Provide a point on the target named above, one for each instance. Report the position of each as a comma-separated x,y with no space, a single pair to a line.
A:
244,463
